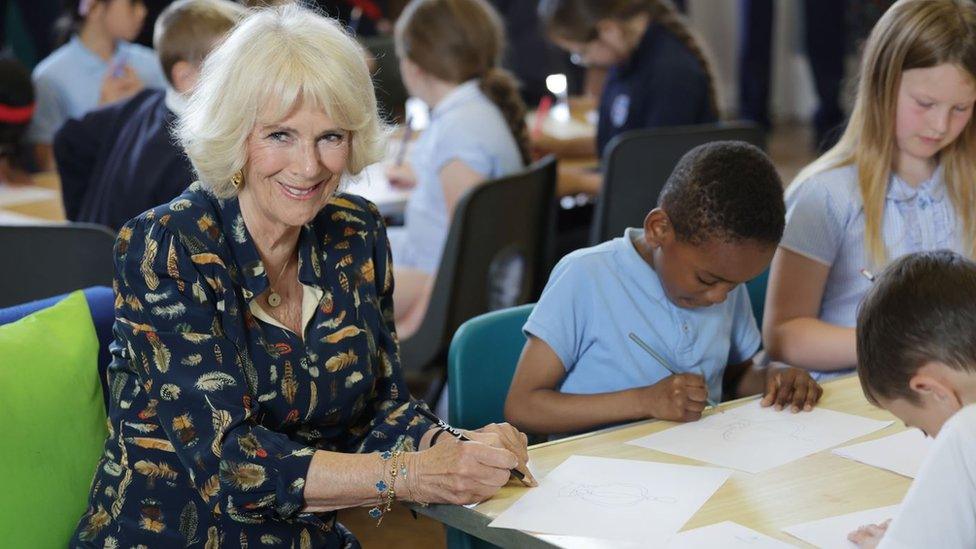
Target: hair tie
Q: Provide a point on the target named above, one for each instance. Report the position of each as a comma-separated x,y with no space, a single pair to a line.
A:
84,7
16,115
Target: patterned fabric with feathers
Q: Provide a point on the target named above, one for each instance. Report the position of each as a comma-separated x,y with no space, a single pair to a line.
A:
215,415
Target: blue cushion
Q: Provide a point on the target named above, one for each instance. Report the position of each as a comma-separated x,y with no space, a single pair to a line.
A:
101,302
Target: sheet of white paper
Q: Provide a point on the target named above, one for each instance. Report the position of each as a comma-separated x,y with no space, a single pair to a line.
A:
614,499
727,535
831,533
22,194
753,439
901,453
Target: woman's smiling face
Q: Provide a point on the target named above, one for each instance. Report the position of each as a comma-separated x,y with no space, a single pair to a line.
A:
294,165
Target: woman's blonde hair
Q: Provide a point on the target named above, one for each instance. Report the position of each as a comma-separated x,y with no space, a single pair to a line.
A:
458,40
912,34
275,60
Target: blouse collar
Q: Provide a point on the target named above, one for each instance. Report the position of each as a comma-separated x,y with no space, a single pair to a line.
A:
251,273
899,190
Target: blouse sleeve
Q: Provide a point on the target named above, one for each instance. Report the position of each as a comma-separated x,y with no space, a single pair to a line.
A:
392,417
168,317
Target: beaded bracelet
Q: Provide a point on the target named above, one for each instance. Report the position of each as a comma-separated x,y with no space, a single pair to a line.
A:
387,492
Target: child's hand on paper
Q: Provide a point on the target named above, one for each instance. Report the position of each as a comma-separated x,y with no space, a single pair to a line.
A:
789,386
504,435
868,537
676,398
402,176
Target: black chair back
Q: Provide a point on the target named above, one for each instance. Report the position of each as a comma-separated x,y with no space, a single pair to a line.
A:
497,255
46,260
638,164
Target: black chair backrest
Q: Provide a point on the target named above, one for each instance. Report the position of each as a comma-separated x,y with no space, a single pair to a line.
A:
45,260
638,164
496,256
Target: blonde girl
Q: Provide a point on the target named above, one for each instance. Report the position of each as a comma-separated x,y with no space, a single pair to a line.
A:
902,179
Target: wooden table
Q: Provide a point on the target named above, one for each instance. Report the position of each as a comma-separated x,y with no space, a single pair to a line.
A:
47,210
815,487
371,184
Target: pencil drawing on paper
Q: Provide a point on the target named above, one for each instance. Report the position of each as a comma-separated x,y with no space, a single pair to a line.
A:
613,494
747,430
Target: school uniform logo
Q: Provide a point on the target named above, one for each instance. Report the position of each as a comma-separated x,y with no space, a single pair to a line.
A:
619,110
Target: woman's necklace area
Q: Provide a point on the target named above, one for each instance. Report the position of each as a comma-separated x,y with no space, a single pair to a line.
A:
274,298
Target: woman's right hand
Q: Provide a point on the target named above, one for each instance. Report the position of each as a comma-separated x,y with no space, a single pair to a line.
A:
458,472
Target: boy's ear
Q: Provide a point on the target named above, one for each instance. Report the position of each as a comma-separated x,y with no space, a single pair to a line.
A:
658,230
184,76
932,386
610,31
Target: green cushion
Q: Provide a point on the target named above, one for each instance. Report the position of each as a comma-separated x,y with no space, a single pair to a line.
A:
52,423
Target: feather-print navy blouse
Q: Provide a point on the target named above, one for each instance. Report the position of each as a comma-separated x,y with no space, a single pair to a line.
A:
215,414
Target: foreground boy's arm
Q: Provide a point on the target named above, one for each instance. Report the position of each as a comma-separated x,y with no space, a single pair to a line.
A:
535,405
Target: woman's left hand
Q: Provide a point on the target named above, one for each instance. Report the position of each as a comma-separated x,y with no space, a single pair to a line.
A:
503,435
868,537
789,386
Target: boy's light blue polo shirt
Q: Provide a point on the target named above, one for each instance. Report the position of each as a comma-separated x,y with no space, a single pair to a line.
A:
596,296
68,83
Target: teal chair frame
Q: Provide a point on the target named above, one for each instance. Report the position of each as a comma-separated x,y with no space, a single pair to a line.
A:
481,362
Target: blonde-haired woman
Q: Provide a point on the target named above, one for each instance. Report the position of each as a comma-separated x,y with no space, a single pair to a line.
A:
449,54
255,385
901,179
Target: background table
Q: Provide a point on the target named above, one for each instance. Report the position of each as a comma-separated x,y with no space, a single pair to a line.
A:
815,487
372,184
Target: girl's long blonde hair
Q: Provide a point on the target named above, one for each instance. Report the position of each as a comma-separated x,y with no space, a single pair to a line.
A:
912,34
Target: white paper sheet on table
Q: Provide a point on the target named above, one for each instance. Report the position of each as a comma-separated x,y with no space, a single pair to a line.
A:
753,439
23,194
900,453
622,499
727,535
831,533
532,469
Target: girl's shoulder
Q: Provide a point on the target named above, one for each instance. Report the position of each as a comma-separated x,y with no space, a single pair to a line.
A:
837,185
54,65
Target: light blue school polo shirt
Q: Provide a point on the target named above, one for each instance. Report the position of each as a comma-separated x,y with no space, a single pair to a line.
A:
68,83
596,296
825,223
465,125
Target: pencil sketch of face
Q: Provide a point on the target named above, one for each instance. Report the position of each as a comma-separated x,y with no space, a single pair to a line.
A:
613,495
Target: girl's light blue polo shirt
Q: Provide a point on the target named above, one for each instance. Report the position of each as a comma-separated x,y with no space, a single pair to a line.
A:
464,126
68,83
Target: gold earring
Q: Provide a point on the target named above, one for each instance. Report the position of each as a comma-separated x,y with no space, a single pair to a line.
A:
237,179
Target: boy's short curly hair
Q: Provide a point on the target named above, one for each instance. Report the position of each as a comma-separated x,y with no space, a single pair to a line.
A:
727,191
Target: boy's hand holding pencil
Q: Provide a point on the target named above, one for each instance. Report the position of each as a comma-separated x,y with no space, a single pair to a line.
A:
680,397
